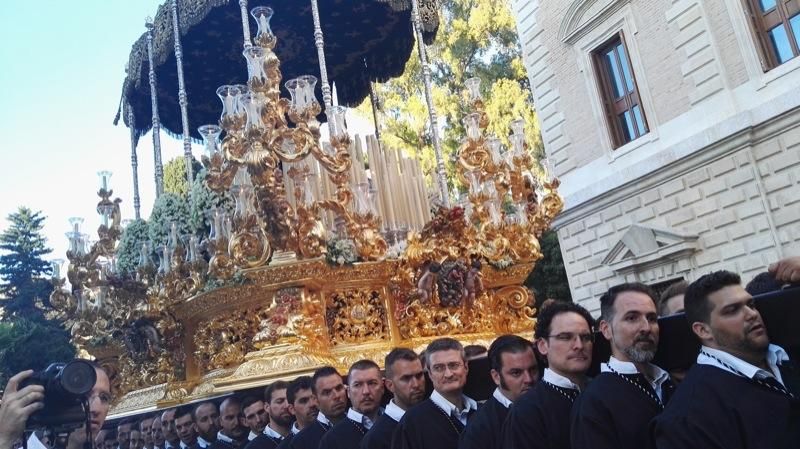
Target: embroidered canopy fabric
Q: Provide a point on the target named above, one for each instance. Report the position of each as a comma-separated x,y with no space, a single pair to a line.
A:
364,40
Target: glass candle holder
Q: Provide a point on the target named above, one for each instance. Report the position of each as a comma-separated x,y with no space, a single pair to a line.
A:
518,136
473,88
472,125
210,135
338,122
104,176
495,146
255,56
264,36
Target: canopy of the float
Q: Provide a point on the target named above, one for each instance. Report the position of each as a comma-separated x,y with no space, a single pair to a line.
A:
365,40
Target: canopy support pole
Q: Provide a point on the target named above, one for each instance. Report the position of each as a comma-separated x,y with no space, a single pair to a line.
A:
426,75
182,100
158,166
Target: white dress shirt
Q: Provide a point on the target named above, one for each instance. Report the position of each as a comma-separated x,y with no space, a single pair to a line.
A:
251,436
362,419
559,380
202,442
222,437
324,419
501,398
272,433
655,375
295,430
34,443
394,411
775,354
451,409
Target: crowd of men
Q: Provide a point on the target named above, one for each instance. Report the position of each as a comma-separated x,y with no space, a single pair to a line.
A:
742,392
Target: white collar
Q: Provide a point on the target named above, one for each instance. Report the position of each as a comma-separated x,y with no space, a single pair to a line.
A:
658,375
501,398
324,419
184,445
202,442
360,418
295,430
559,380
222,437
775,354
251,436
394,411
450,408
35,443
270,432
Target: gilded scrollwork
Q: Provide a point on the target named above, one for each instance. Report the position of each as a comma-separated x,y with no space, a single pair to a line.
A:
355,316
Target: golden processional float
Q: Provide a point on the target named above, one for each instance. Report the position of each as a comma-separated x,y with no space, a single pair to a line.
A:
322,261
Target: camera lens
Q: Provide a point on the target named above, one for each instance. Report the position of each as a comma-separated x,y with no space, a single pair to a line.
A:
78,377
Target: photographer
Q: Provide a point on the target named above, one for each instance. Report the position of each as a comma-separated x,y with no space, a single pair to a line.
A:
20,403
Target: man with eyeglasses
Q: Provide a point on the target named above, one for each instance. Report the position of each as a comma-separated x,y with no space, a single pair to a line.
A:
365,390
514,370
18,404
540,419
615,410
437,422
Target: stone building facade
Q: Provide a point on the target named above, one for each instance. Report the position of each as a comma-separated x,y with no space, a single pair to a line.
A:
713,183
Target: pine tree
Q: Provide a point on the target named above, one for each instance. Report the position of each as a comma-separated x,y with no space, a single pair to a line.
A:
22,267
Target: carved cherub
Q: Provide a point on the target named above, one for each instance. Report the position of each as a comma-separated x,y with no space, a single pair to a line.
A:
473,285
427,282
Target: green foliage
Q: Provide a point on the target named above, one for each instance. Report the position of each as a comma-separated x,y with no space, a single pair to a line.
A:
130,244
22,268
175,175
476,38
167,209
28,344
549,278
203,201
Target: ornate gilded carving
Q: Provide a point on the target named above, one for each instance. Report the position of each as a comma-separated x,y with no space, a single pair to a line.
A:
356,316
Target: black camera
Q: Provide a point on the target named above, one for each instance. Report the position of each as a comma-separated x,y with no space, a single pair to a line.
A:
66,390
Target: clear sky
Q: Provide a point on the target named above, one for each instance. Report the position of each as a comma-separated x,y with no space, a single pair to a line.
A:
62,72
63,64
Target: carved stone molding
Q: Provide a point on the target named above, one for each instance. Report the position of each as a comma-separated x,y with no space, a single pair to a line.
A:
584,15
642,247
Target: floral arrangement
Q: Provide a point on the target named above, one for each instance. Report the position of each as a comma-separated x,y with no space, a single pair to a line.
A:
397,250
341,251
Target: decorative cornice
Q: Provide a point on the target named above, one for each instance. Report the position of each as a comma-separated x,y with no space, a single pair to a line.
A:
649,247
574,25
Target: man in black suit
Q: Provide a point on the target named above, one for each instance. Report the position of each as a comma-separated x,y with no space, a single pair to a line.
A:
743,391
405,378
437,422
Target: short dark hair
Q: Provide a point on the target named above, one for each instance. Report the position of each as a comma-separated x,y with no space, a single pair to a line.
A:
184,410
505,344
545,319
474,350
272,388
675,289
610,297
763,283
443,344
301,383
398,354
250,400
233,399
696,304
197,407
362,365
325,371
